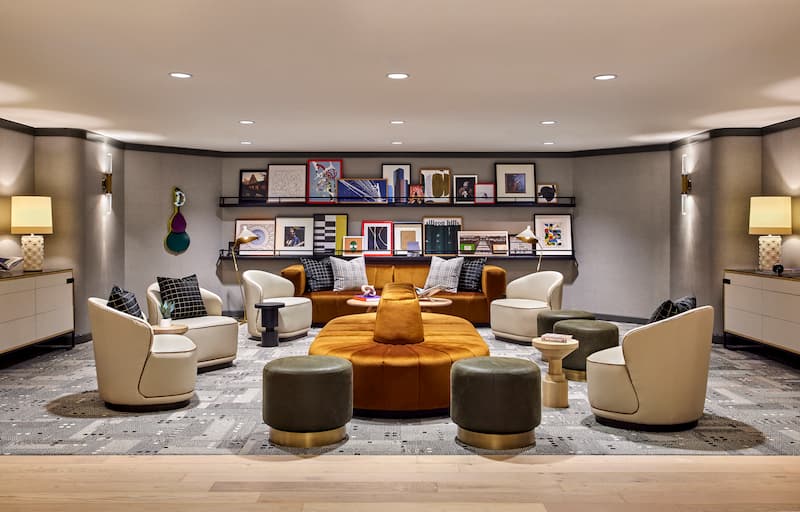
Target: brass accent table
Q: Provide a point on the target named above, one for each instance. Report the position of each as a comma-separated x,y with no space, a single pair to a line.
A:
554,383
172,329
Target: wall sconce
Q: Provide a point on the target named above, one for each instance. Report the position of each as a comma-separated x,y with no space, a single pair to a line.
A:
106,182
686,183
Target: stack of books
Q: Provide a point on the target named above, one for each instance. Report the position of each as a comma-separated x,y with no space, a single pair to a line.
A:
368,298
558,338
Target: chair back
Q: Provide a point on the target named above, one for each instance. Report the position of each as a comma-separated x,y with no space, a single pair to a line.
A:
258,287
545,286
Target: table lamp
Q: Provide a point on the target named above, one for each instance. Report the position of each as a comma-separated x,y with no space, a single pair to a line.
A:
528,237
32,216
770,217
245,237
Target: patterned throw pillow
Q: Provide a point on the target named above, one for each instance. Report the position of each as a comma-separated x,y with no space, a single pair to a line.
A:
670,308
684,304
125,301
444,273
184,292
319,274
348,275
471,273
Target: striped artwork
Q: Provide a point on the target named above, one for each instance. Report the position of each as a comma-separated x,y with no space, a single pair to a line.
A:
328,232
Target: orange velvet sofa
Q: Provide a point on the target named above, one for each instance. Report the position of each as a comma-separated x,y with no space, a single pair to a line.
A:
472,306
401,357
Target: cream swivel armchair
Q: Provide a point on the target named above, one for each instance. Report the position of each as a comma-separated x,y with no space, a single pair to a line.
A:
216,336
514,318
656,380
135,368
294,318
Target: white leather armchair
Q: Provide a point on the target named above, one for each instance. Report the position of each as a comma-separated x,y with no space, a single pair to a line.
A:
656,379
294,318
514,317
216,336
135,368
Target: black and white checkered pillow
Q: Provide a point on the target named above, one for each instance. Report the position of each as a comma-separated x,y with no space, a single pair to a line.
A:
319,274
684,304
669,308
348,275
125,301
444,273
184,292
471,272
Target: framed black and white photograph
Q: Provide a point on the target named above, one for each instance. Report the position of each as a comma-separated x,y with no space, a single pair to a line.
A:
286,183
515,182
440,235
547,193
435,185
377,237
554,233
407,238
264,229
464,188
484,193
329,229
252,186
398,179
294,236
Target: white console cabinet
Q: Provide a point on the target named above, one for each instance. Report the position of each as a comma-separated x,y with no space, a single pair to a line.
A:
763,308
35,307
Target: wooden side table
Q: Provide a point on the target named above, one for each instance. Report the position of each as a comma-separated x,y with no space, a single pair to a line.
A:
172,329
554,383
269,321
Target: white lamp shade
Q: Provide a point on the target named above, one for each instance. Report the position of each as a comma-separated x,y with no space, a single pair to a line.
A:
527,236
771,215
31,215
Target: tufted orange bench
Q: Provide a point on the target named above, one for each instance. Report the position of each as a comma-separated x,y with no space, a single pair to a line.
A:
401,357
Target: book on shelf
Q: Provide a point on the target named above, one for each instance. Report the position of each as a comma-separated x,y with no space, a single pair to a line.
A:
9,263
558,338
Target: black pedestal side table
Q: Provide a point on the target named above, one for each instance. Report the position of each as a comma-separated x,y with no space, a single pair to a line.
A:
269,321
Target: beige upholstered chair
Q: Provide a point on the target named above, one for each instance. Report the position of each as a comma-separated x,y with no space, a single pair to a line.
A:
294,318
216,336
135,368
514,318
656,380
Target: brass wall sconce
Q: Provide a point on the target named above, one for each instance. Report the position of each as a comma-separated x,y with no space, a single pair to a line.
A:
686,184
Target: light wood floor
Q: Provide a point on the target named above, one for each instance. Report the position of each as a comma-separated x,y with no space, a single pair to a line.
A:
399,483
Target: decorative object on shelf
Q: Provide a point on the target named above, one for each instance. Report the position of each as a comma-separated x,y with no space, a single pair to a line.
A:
770,217
378,237
263,244
464,186
252,186
406,234
243,236
522,243
361,190
294,236
554,234
9,264
515,182
167,308
484,193
32,217
352,246
328,232
322,178
686,183
546,193
398,178
177,240
482,243
435,184
286,183
528,237
440,235
416,194
778,269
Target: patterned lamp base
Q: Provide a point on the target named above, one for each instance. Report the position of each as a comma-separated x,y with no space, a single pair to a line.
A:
32,253
769,252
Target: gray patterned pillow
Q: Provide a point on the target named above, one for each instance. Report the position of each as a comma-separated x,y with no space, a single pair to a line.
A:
348,275
444,273
319,274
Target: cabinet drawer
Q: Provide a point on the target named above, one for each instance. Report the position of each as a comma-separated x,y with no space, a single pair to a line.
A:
782,334
49,280
14,306
746,299
745,280
53,297
782,286
782,306
15,285
744,323
17,333
53,322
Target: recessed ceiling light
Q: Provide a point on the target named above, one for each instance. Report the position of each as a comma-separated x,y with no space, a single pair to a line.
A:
548,123
177,74
397,76
605,77
397,142
247,122
397,122
549,143
245,143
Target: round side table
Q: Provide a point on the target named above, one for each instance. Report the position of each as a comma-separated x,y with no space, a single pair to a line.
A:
269,321
554,383
172,329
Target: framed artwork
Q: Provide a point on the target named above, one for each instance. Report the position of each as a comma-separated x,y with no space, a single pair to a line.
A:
398,178
554,233
377,237
546,193
294,236
440,235
464,188
287,183
407,238
435,184
483,243
484,193
328,232
352,246
416,194
322,178
252,186
517,247
361,190
265,244
515,182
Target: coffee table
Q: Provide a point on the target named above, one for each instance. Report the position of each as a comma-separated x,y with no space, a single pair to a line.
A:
554,383
372,305
172,329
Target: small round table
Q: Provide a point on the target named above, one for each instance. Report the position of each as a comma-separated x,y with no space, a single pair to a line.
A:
172,329
269,321
372,305
554,384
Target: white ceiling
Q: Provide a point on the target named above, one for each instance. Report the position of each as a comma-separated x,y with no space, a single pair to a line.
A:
483,73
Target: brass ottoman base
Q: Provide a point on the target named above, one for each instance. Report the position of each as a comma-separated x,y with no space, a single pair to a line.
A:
307,439
496,441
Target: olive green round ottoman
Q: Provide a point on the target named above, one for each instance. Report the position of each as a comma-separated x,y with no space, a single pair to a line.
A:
308,400
593,336
548,319
496,401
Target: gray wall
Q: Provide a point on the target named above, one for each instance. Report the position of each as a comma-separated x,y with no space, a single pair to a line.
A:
781,176
16,178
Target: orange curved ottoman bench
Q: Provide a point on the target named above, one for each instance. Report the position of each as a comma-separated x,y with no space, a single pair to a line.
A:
401,357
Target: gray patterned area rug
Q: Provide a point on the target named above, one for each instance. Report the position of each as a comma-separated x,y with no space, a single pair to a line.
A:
49,405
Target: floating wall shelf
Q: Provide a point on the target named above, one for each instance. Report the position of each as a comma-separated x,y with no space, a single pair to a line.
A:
233,202
225,254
